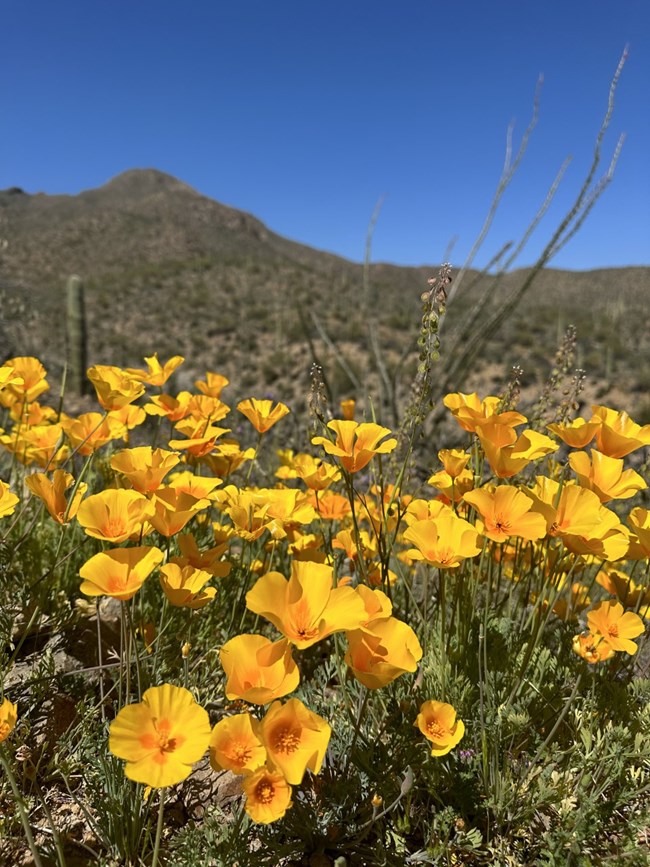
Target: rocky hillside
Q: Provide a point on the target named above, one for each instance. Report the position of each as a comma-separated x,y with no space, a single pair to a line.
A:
166,269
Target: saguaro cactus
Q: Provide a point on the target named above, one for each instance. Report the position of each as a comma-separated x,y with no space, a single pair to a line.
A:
76,337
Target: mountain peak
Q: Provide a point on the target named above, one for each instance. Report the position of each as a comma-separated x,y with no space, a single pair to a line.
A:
137,183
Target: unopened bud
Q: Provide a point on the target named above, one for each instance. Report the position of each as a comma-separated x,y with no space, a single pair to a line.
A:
185,650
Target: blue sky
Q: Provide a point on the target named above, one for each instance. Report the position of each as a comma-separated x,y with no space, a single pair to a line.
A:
306,113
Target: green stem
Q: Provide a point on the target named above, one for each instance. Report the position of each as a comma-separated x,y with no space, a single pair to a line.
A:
21,808
159,827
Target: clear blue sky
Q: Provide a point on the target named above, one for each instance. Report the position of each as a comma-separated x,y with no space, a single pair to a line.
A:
304,113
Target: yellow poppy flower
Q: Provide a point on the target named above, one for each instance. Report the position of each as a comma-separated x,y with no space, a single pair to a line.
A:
508,453
356,444
306,608
469,411
506,512
330,506
627,591
258,670
639,520
157,373
383,650
605,476
617,627
268,796
617,435
261,413
90,431
213,384
592,648
437,722
52,493
119,573
444,541
8,500
236,745
114,515
144,466
184,586
115,388
576,434
40,444
295,738
173,509
173,408
8,718
160,737
28,380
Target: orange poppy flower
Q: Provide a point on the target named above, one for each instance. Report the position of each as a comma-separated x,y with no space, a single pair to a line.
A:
295,738
592,648
257,669
52,493
90,431
119,573
160,737
115,387
617,435
236,745
184,586
8,500
114,515
383,650
506,512
8,718
28,380
605,476
617,627
356,444
437,722
213,384
576,434
469,411
144,466
261,413
268,795
306,608
172,509
444,541
157,373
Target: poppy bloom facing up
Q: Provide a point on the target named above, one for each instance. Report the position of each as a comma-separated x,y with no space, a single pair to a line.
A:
382,651
114,515
236,745
8,500
119,573
616,627
261,413
258,670
605,476
356,444
306,608
184,586
8,717
268,796
52,493
437,722
592,648
444,541
144,466
505,512
296,739
115,387
160,737
157,373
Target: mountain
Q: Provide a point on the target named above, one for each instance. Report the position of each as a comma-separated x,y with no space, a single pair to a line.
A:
169,270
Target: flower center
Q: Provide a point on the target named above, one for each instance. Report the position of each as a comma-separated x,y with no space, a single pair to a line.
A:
612,630
502,525
240,753
264,792
436,730
286,740
114,527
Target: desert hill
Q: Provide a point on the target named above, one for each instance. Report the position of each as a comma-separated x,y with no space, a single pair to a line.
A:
167,269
